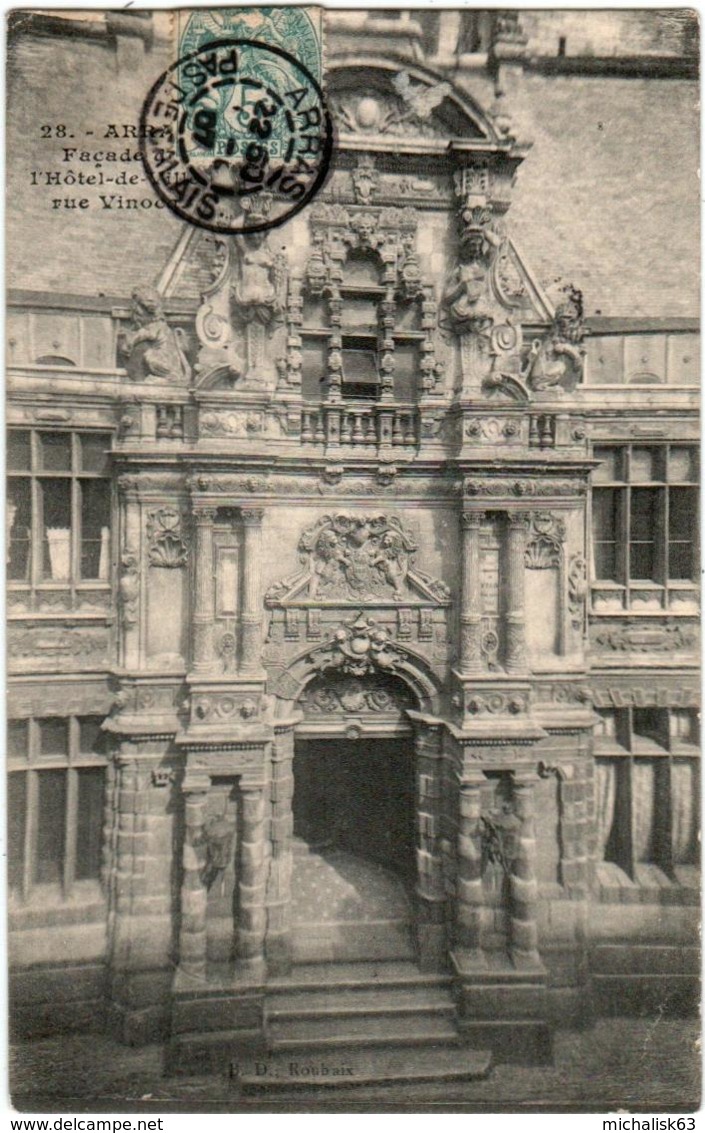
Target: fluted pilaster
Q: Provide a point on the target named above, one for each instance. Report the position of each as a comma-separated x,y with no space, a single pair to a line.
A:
251,617
515,624
203,612
471,610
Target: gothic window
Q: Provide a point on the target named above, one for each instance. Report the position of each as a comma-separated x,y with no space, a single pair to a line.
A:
644,509
58,510
647,788
56,787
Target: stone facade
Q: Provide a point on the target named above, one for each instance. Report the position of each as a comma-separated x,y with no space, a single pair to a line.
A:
414,499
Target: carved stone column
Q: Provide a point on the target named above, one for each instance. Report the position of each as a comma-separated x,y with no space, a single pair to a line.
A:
252,880
524,887
203,612
194,897
430,882
251,619
278,944
471,611
515,661
470,894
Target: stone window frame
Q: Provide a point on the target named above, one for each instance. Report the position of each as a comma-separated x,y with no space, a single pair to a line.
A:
632,746
35,474
76,761
620,475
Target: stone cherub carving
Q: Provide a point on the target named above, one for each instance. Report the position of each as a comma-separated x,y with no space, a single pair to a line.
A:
155,352
556,362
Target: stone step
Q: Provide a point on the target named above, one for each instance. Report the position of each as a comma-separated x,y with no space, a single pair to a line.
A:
351,1001
373,974
345,941
359,1068
299,1033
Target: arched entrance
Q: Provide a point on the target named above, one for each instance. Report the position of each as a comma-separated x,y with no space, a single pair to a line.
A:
354,861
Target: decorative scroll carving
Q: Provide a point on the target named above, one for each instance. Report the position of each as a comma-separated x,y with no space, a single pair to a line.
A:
357,558
340,696
154,348
544,546
359,647
167,547
640,637
556,362
238,311
407,112
497,704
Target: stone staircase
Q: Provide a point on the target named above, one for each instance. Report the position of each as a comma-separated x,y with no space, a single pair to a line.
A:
359,1024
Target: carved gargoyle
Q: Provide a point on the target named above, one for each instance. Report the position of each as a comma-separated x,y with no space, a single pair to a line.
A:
154,348
556,362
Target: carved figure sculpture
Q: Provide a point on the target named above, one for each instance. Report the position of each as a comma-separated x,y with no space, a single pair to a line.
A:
557,360
393,562
129,587
464,295
257,282
218,835
154,348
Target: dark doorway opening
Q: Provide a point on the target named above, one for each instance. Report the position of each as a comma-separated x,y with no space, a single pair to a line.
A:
358,796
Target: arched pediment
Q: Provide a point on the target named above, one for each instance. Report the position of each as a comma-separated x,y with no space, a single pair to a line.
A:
359,649
383,101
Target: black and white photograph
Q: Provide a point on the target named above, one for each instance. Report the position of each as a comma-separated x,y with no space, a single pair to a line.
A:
352,560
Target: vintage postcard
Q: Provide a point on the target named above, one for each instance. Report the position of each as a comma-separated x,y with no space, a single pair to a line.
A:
352,559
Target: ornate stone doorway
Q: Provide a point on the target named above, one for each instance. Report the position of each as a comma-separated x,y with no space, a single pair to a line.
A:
353,862
353,851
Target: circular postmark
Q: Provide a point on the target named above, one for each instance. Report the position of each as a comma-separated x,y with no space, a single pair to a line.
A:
236,136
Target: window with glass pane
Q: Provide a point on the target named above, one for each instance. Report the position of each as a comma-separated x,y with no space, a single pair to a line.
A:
644,519
16,812
89,827
56,798
18,521
605,528
646,792
643,532
682,523
51,828
95,532
58,509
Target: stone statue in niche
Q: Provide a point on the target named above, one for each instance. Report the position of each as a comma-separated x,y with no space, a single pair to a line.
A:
154,349
218,836
556,362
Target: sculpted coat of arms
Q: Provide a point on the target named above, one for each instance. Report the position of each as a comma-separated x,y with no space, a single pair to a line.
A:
358,558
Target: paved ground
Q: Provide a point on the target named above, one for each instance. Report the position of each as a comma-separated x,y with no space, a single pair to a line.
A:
646,1065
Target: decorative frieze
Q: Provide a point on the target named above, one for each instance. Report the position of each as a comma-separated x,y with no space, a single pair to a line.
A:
644,636
501,486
